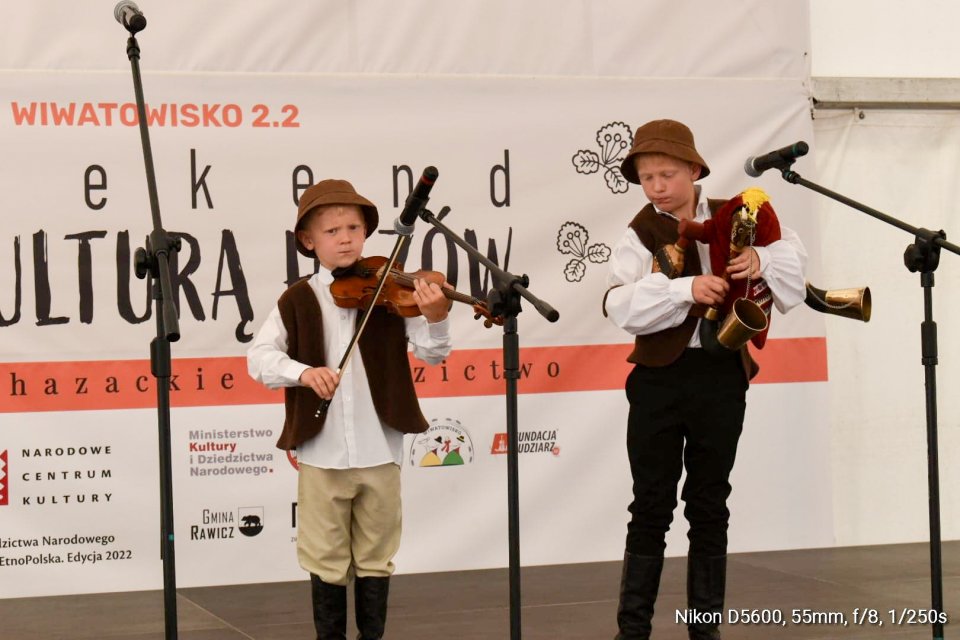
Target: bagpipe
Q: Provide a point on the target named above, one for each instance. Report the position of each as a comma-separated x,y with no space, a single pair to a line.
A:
747,220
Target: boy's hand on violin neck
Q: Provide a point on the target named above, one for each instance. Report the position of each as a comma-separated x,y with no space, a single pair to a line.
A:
322,380
430,300
709,290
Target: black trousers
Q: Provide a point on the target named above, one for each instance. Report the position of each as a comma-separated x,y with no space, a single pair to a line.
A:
686,415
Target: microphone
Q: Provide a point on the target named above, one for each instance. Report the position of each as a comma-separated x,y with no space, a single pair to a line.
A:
416,201
128,14
779,159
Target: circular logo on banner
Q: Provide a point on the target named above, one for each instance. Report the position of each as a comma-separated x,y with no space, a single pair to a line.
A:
251,520
446,443
292,458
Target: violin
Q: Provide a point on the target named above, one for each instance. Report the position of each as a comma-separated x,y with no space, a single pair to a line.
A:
353,288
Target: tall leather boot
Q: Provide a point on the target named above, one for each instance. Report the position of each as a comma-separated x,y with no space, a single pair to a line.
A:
706,583
639,584
329,609
371,605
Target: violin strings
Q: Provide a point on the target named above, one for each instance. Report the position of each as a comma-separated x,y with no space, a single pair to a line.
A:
406,279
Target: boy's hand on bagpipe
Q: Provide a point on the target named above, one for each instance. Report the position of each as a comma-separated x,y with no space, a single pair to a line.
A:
747,263
322,380
709,290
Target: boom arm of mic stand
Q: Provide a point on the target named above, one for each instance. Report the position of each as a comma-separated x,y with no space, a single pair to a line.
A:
541,306
498,274
937,239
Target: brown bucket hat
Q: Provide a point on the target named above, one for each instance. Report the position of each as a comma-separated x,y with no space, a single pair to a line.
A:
333,192
663,136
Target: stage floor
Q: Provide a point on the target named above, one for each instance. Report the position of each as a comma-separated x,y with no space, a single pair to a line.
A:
559,602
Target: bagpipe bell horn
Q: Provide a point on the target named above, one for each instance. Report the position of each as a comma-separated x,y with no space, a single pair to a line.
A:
848,303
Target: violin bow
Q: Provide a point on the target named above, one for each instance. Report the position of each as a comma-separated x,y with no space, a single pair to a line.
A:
401,241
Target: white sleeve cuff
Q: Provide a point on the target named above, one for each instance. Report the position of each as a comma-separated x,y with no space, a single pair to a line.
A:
764,256
681,290
439,331
292,372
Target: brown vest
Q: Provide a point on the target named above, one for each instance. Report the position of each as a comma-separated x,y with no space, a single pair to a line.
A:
664,347
383,347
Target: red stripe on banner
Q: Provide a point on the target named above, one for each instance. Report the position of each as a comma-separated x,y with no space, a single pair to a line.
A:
792,360
597,367
200,382
127,384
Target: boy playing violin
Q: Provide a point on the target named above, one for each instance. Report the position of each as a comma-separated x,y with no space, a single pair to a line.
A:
349,457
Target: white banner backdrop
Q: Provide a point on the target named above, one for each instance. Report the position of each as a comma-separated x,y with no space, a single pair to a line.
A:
520,159
615,38
905,164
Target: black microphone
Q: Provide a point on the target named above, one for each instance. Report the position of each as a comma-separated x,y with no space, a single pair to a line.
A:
779,159
128,14
416,201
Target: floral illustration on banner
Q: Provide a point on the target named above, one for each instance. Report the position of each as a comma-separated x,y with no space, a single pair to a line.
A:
614,140
573,239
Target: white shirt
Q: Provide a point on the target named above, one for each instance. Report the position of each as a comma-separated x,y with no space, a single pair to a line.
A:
352,435
649,302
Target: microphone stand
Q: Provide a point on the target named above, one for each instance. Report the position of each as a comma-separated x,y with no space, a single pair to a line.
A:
504,300
923,256
153,262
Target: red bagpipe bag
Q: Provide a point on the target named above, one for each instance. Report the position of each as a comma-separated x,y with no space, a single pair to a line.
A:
729,232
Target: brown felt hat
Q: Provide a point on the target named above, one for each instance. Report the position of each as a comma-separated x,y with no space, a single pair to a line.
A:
668,137
328,192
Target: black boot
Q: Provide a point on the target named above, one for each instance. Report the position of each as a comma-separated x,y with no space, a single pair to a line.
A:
706,582
639,584
371,605
329,609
